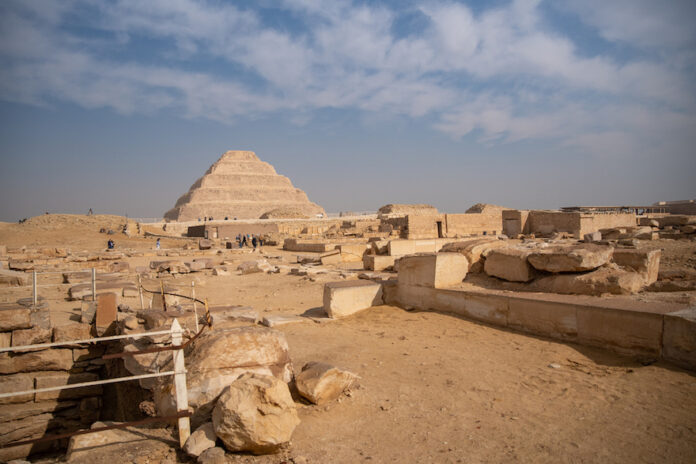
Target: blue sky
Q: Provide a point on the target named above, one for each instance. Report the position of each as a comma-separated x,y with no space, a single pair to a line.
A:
120,106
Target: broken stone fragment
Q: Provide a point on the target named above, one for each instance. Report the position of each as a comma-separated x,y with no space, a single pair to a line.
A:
202,439
255,413
509,264
574,258
321,383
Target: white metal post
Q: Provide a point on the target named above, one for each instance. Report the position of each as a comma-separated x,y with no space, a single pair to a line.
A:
94,284
180,383
34,296
193,295
140,292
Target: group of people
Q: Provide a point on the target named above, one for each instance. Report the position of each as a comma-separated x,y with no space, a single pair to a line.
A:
251,240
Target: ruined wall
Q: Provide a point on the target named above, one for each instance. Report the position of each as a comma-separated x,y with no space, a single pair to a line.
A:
548,222
515,222
594,222
474,224
424,226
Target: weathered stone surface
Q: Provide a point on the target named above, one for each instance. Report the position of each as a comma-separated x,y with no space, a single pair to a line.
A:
679,338
242,186
344,298
275,320
644,262
220,356
16,383
255,413
5,339
72,331
437,270
81,291
321,383
378,262
220,271
573,258
251,267
32,336
202,439
61,379
475,249
227,316
215,455
88,310
13,318
46,360
593,237
13,278
13,412
205,244
603,280
129,443
107,310
509,264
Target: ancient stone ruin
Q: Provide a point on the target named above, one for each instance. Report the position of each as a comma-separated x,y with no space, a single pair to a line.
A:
240,185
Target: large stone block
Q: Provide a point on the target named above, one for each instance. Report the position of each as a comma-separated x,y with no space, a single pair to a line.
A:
16,383
645,262
679,338
475,249
47,360
13,278
61,379
378,262
548,318
509,264
13,318
603,280
436,270
352,253
622,330
573,258
342,299
33,336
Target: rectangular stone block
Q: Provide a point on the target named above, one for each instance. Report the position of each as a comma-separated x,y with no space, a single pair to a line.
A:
679,338
552,319
16,383
107,310
72,331
46,360
620,329
342,299
378,262
352,253
5,339
436,270
401,247
13,318
57,380
33,336
330,257
645,262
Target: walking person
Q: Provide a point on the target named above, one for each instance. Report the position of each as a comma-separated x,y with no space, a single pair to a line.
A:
254,242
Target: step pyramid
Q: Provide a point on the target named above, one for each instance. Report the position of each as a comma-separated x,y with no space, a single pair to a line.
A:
240,185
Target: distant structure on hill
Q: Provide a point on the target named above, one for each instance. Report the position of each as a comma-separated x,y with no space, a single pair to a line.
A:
240,185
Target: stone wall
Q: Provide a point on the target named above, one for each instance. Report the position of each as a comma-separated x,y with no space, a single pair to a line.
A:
474,224
37,414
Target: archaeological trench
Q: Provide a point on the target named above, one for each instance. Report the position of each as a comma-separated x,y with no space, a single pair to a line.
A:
586,277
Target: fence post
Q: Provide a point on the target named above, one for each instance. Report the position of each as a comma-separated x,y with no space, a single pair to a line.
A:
180,384
34,295
193,296
140,292
94,284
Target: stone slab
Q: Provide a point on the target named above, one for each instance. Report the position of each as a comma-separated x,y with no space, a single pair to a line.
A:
621,330
679,338
342,299
436,270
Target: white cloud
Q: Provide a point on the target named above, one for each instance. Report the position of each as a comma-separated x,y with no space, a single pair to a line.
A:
500,73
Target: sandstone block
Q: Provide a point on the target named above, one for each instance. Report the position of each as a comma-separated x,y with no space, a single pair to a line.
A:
342,299
603,280
644,262
321,383
255,413
352,253
46,360
107,310
331,258
16,383
436,270
203,438
33,336
593,237
72,331
14,318
13,278
475,250
220,271
509,264
250,267
5,339
570,258
205,244
58,380
214,455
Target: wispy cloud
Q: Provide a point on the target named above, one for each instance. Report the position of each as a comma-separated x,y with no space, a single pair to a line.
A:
502,73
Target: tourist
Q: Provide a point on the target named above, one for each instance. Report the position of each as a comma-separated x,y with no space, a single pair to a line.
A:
110,244
244,241
157,244
254,242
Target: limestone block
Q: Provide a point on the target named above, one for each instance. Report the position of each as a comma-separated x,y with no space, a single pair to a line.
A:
226,315
275,320
72,331
61,379
437,270
220,356
645,262
14,318
321,383
5,339
475,249
15,383
107,310
401,247
509,264
352,253
46,360
342,299
13,412
619,329
255,413
205,244
573,258
548,318
200,440
250,267
679,338
593,237
195,266
13,278
33,336
331,258
378,262
598,282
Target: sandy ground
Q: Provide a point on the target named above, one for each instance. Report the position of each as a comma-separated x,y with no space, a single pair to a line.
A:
435,387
